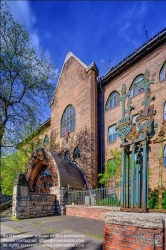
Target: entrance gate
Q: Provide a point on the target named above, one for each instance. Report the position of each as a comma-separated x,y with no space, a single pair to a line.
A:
135,147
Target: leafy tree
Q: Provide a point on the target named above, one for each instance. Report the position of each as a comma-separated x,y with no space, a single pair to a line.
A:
113,167
11,165
26,80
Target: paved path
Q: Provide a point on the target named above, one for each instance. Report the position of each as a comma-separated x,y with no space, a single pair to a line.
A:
55,232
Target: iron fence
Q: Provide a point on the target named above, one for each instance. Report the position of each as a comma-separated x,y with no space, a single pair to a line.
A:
109,196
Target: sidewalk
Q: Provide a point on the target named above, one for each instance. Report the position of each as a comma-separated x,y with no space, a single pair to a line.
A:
55,232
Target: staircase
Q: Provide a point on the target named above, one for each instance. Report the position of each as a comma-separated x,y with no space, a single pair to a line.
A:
6,205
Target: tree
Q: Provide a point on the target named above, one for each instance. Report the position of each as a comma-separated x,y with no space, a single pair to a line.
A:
113,167
26,80
11,165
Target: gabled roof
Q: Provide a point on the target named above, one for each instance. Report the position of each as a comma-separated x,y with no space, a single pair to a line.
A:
68,56
141,52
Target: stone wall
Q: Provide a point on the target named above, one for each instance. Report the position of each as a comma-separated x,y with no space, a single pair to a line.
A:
92,212
131,231
34,205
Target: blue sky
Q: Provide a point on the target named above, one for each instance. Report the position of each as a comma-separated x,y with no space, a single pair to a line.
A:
99,31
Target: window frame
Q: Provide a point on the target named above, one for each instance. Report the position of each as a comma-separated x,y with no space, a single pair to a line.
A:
164,111
78,153
46,140
39,144
67,119
67,152
111,97
164,69
136,84
115,132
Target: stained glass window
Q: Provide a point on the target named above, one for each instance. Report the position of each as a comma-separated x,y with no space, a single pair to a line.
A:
134,89
163,73
46,140
112,100
68,120
112,134
76,153
67,156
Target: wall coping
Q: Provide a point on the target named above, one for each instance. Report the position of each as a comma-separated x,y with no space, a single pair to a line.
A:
94,207
143,220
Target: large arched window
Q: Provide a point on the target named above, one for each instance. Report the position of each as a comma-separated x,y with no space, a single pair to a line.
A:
68,120
162,76
165,111
165,156
67,156
76,153
134,89
112,100
112,134
46,140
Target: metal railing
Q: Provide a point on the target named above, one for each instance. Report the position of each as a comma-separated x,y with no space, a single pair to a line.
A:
109,196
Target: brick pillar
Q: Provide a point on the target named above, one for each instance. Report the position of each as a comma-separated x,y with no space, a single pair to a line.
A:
132,231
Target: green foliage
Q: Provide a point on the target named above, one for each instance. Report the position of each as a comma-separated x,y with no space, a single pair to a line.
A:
112,167
153,199
27,80
109,201
11,165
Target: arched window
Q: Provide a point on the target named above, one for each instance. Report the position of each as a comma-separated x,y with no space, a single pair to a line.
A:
46,140
165,156
134,89
68,120
67,156
112,134
165,111
39,144
60,155
162,76
112,100
76,153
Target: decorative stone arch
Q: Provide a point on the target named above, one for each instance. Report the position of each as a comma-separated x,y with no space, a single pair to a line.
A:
41,158
63,173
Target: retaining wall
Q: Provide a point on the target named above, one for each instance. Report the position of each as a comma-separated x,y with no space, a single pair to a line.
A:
92,212
131,231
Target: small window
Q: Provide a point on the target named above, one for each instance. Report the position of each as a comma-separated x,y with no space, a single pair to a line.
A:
39,144
68,120
165,111
112,100
134,89
112,134
67,156
46,140
76,153
163,73
165,156
60,155
134,121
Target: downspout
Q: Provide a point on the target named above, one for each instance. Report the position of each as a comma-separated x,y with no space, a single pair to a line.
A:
101,155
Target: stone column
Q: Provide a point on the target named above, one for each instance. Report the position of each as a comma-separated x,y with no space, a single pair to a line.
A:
20,197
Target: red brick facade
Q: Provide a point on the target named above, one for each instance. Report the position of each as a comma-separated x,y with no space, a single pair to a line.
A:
77,86
153,62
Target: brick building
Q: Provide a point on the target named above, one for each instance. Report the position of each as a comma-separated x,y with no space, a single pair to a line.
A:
85,111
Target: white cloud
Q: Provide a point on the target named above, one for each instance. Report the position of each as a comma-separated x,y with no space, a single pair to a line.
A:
23,13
